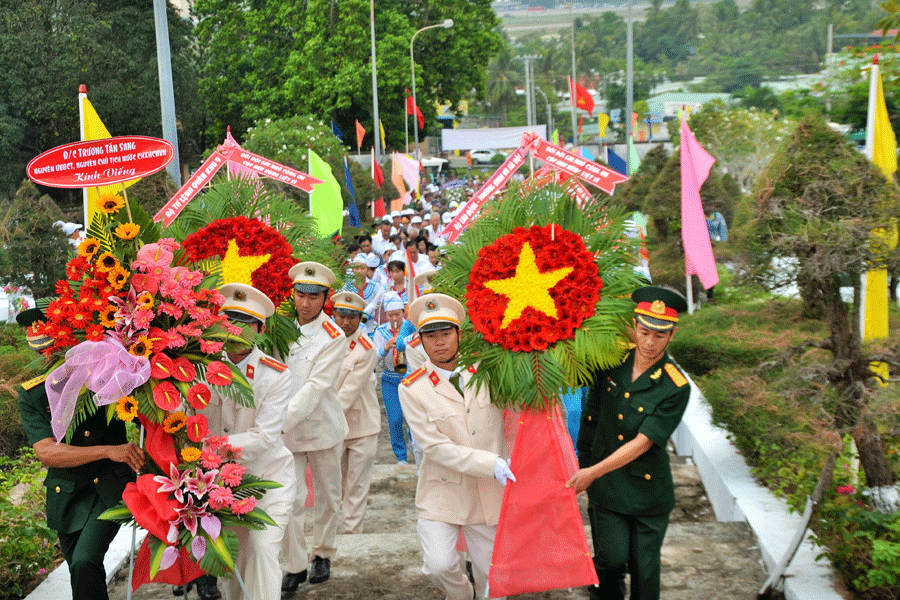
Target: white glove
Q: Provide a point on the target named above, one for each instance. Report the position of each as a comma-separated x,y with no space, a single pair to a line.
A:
502,472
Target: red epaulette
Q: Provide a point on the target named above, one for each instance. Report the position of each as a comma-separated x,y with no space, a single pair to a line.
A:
353,344
271,362
332,330
414,375
365,342
675,375
435,379
414,342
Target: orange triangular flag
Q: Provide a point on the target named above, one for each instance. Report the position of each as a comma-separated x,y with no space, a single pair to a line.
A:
548,552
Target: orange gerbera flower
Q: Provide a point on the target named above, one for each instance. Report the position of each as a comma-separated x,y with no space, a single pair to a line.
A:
174,422
127,231
88,248
111,203
126,408
107,262
142,347
190,454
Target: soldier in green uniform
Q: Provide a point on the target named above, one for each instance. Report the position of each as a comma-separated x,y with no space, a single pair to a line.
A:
630,413
84,477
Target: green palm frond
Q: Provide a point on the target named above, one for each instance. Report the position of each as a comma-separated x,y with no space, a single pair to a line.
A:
530,380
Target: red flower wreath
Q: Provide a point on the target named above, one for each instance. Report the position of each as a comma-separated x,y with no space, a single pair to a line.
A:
557,265
253,238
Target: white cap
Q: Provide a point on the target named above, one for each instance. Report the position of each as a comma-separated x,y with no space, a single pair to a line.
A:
311,277
436,311
393,301
395,213
348,301
446,218
406,212
385,219
69,228
399,255
359,259
416,219
453,204
247,300
372,260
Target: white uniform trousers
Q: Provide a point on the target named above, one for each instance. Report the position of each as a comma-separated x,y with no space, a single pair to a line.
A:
326,474
442,560
257,560
356,465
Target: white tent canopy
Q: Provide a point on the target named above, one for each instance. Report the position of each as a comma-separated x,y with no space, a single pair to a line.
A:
488,139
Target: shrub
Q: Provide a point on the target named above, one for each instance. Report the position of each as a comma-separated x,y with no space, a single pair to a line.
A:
26,543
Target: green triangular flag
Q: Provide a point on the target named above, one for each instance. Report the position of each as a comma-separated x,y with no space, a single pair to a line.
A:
325,203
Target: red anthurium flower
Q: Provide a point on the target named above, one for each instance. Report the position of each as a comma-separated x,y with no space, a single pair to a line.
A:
151,510
184,370
198,395
166,396
157,339
197,428
218,373
161,367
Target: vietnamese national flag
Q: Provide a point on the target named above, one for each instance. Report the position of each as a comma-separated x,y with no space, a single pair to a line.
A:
412,108
583,98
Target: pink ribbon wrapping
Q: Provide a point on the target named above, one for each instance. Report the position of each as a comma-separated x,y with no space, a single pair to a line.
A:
105,368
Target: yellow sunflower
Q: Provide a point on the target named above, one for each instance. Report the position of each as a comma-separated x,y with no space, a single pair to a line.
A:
190,454
108,316
111,203
88,248
118,277
126,408
175,422
142,347
145,301
107,262
127,231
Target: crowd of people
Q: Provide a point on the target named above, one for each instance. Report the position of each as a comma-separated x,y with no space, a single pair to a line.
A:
316,409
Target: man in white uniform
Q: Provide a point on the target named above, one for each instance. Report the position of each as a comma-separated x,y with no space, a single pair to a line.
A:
356,391
315,427
464,467
257,431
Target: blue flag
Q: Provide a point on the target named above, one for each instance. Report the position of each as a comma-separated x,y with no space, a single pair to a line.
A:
586,154
337,131
353,211
617,162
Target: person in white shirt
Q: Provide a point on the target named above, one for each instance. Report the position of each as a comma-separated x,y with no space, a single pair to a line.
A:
420,261
434,229
257,431
315,426
370,290
381,239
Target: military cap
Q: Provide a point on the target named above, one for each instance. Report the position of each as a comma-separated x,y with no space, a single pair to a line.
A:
425,280
245,303
657,307
348,303
311,277
26,319
436,311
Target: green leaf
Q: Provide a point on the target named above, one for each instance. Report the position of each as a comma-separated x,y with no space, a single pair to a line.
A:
118,514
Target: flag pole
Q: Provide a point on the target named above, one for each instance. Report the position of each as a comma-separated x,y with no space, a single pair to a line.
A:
870,118
82,96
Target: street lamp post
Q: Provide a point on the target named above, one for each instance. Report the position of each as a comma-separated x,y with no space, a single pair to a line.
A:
376,124
549,117
412,65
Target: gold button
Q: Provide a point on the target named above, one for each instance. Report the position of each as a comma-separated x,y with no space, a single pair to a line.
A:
608,389
87,434
627,395
621,437
647,476
640,409
589,417
621,416
96,480
57,489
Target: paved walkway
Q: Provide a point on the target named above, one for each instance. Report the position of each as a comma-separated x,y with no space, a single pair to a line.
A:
702,559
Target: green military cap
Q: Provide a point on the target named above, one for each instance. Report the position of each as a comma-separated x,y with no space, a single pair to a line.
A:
658,307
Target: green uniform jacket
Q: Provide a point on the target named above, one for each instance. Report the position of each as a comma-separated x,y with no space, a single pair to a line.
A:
72,492
615,411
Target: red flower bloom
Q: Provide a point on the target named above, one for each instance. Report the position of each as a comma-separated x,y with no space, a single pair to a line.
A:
183,370
93,333
161,366
197,427
166,396
198,395
151,510
218,373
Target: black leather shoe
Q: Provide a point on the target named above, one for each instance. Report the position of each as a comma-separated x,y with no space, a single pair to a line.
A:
291,581
208,590
321,570
179,590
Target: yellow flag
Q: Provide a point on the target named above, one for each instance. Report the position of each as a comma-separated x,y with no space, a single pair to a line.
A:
602,122
381,129
884,146
94,129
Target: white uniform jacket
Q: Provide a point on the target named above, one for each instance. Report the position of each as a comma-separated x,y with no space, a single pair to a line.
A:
356,387
257,430
415,352
461,438
314,419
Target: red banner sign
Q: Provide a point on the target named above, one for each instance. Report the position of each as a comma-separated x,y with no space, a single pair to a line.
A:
493,185
100,162
191,188
269,168
591,172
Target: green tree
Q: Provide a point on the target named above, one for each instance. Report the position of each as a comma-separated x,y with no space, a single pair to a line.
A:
34,252
817,203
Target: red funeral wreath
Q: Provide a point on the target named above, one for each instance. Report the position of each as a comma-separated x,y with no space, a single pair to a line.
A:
574,295
253,238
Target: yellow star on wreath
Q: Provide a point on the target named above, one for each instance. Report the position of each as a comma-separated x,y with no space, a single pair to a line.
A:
528,287
239,269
